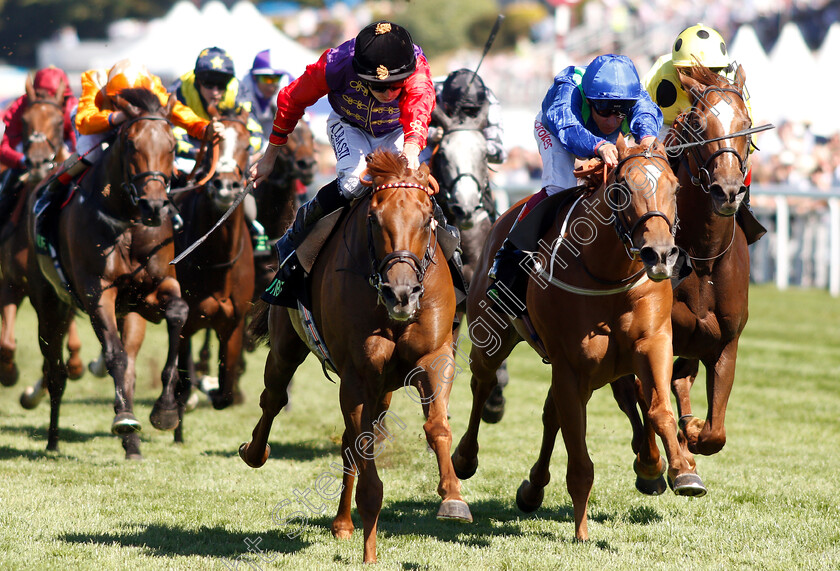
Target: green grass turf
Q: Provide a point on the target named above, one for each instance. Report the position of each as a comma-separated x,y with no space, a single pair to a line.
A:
772,501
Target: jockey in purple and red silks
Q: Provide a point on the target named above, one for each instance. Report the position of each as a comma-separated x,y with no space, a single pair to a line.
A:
381,92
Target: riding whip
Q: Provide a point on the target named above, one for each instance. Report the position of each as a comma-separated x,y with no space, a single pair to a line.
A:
221,220
487,45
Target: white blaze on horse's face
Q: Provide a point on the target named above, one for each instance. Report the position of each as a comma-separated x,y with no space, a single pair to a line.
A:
465,175
227,162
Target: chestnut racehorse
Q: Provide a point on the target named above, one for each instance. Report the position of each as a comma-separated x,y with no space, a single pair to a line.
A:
218,277
600,314
383,299
114,245
710,306
43,147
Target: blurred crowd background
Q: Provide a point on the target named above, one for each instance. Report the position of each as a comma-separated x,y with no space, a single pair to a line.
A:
788,48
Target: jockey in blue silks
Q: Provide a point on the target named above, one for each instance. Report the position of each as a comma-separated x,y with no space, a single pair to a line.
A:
581,117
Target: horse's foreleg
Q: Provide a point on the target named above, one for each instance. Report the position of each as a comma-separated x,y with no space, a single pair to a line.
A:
8,368
186,369
648,464
342,525
230,353
529,496
132,333
434,385
483,367
359,433
50,336
720,376
285,355
652,361
164,414
202,367
75,366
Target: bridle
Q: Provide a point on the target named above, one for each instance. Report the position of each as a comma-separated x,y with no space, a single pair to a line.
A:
703,178
623,227
129,185
379,269
447,188
36,137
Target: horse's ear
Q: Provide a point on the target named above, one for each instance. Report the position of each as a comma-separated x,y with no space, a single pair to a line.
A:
621,144
740,77
244,114
213,112
129,109
59,92
30,88
170,105
691,85
440,117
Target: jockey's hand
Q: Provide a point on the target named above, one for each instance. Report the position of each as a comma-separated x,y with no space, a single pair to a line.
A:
118,117
411,151
647,141
260,170
609,154
214,131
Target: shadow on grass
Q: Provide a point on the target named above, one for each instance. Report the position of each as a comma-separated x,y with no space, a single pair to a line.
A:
64,434
301,451
167,541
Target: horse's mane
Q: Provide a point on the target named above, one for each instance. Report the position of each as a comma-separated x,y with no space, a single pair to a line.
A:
142,98
382,163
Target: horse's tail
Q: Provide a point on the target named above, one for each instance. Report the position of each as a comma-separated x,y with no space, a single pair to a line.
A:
258,328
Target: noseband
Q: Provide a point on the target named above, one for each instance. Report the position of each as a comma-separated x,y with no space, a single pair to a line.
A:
380,268
130,184
703,179
624,232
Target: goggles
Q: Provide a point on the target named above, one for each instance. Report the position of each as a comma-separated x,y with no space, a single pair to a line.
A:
610,107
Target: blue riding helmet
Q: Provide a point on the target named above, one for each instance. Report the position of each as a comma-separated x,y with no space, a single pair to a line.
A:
214,62
611,77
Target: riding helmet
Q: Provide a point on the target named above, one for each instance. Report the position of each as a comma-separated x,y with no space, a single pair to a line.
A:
463,89
267,62
126,74
703,43
611,77
214,64
384,53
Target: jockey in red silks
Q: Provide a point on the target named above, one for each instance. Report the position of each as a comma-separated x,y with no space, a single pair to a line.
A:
381,93
46,83
582,115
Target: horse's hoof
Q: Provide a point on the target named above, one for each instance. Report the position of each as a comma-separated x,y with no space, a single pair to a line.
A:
9,375
125,423
97,368
133,456
343,533
464,469
192,402
164,418
243,450
525,505
688,485
456,510
219,400
208,383
75,370
31,397
650,486
494,408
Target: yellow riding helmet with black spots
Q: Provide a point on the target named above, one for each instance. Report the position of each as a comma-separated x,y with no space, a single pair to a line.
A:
703,43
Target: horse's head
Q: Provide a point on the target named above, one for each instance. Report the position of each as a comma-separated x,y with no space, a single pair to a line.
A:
296,160
43,130
232,166
401,236
642,194
146,149
718,109
460,166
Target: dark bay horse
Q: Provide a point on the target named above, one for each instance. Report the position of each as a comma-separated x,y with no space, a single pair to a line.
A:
43,147
114,244
217,279
710,306
600,303
277,196
382,296
459,164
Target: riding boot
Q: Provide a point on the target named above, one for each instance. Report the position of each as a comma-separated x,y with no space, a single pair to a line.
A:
753,229
327,200
450,237
58,183
509,282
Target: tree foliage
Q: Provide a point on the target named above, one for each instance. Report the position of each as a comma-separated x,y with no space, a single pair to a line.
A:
25,23
440,26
